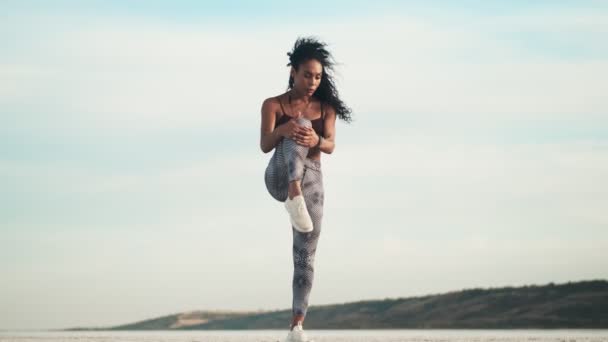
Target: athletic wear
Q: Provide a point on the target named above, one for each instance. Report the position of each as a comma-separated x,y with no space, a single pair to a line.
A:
289,163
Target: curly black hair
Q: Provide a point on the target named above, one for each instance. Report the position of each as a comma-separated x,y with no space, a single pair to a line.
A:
306,48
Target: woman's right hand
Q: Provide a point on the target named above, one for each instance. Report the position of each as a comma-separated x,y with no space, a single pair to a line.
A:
291,129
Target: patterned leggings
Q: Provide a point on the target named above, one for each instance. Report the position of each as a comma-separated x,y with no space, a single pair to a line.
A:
289,163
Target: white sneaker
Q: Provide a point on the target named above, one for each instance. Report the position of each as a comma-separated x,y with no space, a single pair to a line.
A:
297,334
298,214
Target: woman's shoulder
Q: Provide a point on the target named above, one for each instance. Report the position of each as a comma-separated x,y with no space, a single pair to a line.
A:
329,108
270,103
273,100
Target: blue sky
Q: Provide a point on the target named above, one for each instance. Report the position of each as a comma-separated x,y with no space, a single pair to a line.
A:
132,175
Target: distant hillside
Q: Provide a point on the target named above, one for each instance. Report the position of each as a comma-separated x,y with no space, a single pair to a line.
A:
581,304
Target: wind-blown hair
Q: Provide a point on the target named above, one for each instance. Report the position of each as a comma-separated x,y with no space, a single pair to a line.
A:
308,48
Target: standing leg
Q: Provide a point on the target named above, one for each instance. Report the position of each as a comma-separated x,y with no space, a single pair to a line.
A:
305,244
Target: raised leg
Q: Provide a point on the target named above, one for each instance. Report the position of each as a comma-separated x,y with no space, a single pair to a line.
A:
286,167
295,154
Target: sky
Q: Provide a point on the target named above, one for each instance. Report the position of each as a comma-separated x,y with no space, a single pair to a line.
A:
132,177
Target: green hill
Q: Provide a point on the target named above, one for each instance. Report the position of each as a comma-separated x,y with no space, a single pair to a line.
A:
581,304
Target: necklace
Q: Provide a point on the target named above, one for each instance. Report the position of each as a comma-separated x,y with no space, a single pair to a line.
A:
291,107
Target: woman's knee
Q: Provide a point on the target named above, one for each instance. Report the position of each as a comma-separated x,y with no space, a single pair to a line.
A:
293,150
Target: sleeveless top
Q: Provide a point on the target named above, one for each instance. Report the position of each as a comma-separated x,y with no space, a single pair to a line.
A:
317,124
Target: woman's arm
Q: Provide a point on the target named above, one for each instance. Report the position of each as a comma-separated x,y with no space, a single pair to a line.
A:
269,136
329,137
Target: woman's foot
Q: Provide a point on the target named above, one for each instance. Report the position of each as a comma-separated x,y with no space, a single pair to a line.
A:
296,334
298,214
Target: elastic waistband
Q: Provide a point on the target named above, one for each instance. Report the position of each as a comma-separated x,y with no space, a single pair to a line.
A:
312,164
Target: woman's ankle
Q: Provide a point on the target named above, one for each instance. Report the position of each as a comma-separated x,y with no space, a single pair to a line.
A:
294,189
295,320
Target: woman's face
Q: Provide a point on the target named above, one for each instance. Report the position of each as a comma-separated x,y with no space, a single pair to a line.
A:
307,79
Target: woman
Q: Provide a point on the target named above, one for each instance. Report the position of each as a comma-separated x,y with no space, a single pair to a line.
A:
300,124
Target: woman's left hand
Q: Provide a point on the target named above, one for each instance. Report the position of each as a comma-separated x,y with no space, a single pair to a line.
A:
308,139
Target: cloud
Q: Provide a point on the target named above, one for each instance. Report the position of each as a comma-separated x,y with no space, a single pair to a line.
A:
139,74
